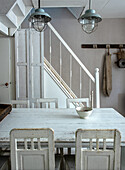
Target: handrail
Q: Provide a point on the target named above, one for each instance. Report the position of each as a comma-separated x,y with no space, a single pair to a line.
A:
71,52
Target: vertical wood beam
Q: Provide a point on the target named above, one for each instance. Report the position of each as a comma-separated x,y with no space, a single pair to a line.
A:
97,88
42,62
70,73
60,61
80,84
16,67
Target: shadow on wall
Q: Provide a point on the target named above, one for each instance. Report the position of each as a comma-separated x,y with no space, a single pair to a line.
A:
121,105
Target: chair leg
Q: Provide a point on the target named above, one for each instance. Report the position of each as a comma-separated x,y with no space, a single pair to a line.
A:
58,162
69,162
61,151
57,150
69,151
4,162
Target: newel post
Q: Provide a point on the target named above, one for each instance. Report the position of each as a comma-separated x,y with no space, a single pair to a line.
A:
97,88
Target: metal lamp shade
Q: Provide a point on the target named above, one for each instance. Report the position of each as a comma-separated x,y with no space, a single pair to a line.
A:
39,19
89,21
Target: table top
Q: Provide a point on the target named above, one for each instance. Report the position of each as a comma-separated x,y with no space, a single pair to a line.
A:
64,122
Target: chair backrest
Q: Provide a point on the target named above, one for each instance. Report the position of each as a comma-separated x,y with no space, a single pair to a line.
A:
28,151
46,102
97,156
87,102
20,103
77,102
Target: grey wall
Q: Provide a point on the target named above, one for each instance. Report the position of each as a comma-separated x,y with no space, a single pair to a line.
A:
109,31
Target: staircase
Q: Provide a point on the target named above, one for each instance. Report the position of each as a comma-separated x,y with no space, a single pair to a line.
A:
12,14
58,80
57,77
29,54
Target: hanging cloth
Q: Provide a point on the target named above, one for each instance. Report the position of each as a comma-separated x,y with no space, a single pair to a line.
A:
107,75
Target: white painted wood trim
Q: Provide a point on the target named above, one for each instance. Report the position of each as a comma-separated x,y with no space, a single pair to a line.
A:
50,47
3,29
77,101
97,88
12,17
20,102
71,52
12,31
30,68
42,67
16,67
47,100
9,68
21,64
91,99
21,6
117,149
55,76
61,84
90,88
60,61
80,83
27,57
70,72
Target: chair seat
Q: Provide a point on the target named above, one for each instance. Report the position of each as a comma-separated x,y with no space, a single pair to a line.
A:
4,161
69,162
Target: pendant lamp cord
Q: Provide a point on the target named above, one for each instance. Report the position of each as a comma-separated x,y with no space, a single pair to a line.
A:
89,4
39,4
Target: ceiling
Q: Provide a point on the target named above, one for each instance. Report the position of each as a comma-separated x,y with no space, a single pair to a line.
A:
106,8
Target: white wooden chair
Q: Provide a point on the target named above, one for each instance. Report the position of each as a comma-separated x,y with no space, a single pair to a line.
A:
77,102
30,154
46,102
87,102
20,103
97,155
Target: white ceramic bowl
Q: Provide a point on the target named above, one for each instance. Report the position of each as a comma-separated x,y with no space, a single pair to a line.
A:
84,112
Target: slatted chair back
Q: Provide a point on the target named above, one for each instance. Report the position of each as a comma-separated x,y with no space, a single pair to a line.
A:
87,102
97,156
46,102
28,151
77,102
20,103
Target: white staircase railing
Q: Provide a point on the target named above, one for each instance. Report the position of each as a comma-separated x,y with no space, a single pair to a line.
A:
59,81
81,65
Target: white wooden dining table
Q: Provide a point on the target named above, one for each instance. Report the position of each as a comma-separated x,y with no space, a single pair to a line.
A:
64,122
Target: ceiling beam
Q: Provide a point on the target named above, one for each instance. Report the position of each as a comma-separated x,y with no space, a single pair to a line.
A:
3,29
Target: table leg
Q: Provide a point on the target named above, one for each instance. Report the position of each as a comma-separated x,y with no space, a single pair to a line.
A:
122,158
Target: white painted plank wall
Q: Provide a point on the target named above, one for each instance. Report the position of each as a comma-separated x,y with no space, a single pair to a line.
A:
29,62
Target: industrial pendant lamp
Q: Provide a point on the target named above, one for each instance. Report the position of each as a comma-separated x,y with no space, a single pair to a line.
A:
89,20
39,19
